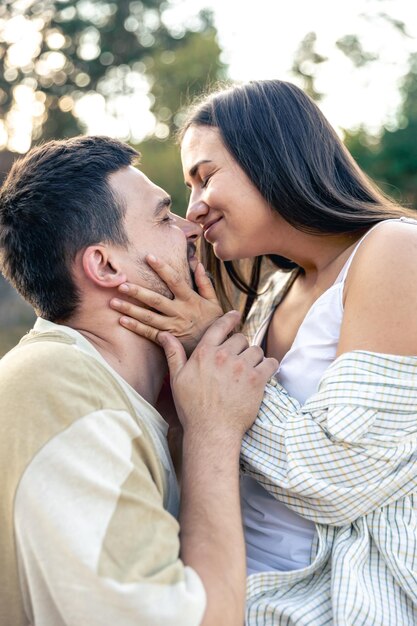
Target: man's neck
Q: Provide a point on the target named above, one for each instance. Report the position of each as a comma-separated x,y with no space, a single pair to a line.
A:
140,362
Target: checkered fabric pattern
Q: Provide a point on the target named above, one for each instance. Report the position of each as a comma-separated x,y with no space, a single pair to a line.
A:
347,460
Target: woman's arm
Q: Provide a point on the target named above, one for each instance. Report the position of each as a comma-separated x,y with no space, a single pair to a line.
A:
353,446
350,449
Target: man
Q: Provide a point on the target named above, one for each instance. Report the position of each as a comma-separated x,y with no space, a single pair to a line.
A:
88,495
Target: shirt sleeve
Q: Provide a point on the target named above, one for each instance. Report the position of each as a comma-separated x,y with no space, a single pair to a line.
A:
95,544
351,448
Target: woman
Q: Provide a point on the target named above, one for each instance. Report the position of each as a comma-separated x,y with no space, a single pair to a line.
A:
330,466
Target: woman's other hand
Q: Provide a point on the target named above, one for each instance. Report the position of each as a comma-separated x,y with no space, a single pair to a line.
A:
187,316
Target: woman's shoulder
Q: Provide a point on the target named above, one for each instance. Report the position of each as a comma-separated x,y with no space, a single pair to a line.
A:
380,295
391,242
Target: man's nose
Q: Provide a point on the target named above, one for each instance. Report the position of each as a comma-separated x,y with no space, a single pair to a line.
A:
191,230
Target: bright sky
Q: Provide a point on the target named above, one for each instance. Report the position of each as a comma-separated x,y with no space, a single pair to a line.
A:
259,40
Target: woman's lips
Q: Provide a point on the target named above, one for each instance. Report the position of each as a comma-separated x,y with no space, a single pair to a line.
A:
208,228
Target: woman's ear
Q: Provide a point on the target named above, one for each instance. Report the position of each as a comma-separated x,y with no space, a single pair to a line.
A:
101,266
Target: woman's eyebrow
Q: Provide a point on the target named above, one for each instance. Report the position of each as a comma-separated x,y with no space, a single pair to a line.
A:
193,170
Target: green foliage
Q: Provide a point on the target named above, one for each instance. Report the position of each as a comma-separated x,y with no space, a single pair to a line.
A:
160,161
306,61
391,159
181,75
178,78
351,46
103,47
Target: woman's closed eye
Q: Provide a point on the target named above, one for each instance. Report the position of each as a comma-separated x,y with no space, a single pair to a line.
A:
206,179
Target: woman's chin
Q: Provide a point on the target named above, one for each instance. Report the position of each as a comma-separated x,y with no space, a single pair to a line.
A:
225,253
221,252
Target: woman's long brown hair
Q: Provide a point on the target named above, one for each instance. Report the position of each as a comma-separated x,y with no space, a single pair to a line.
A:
293,156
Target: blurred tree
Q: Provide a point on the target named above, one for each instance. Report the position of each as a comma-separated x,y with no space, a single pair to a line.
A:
177,79
160,161
306,61
391,158
352,47
56,52
307,58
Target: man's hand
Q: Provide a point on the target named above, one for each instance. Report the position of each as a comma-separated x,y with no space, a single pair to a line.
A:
217,393
221,386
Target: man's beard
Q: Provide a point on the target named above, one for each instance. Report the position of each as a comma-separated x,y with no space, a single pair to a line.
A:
152,281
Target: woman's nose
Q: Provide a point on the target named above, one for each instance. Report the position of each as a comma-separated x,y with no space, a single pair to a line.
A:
197,211
191,230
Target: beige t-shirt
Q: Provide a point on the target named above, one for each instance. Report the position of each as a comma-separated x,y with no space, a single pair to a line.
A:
88,532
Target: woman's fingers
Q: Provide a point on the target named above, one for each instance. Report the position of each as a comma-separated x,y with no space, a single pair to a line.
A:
175,282
145,296
140,329
144,316
187,315
204,285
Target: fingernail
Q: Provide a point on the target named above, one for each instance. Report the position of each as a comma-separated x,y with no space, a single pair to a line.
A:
152,258
124,288
124,320
115,302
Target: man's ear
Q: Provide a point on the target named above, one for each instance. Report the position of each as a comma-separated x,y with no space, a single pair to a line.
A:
101,266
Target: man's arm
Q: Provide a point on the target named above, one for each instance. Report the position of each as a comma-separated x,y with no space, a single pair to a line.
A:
217,393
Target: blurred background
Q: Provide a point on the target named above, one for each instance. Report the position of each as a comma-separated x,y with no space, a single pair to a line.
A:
129,68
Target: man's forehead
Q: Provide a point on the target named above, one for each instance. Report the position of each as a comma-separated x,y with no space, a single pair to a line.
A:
130,178
137,190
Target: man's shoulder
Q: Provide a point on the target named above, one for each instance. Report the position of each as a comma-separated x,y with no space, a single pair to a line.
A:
49,368
50,389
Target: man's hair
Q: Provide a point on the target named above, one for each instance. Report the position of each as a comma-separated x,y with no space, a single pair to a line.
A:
55,202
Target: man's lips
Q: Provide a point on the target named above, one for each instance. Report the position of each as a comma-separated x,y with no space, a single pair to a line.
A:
209,226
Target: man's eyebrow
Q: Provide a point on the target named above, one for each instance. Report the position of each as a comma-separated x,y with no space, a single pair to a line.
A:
162,205
193,170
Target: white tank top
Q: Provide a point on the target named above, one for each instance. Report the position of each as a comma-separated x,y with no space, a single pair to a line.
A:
276,537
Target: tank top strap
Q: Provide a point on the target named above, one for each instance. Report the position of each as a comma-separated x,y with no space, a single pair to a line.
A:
343,272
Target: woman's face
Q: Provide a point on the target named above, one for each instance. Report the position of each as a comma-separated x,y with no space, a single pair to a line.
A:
234,216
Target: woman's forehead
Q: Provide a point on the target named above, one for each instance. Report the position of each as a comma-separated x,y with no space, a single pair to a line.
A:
200,142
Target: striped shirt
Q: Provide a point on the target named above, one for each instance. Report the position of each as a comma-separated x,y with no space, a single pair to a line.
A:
347,460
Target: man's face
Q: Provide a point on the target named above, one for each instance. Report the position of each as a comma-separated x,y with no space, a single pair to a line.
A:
152,229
